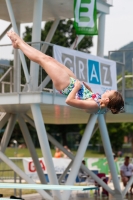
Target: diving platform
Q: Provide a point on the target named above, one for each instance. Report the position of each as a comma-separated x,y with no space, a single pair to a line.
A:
32,104
55,110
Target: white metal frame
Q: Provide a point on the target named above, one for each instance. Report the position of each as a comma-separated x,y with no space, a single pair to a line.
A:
32,83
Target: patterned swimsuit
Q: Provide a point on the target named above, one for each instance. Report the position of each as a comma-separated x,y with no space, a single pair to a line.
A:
83,94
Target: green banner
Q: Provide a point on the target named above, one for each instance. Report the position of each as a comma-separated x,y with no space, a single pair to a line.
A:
85,17
101,164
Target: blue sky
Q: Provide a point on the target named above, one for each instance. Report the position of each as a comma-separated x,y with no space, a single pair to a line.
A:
118,29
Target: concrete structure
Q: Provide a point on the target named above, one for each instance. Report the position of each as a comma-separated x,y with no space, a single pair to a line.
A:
39,107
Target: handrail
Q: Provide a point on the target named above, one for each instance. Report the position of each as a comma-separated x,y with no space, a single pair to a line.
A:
126,76
6,73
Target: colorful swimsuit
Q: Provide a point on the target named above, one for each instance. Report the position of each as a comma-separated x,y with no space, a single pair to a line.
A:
83,94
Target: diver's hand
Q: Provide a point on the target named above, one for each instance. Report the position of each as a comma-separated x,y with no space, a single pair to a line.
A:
77,84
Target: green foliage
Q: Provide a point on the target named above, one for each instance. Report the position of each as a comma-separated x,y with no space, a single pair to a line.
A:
64,36
116,131
116,135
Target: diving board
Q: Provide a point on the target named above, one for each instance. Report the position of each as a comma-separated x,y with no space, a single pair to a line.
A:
46,187
8,199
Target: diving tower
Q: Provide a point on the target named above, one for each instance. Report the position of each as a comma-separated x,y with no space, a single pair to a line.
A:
38,107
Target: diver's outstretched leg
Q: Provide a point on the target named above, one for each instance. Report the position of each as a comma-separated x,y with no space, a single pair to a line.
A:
59,73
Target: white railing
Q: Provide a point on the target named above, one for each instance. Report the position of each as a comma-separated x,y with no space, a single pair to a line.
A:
126,76
3,83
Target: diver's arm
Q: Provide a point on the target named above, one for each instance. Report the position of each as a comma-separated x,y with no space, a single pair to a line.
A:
83,104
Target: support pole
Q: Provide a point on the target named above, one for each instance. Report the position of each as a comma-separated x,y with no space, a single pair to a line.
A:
44,83
4,120
8,131
130,182
108,152
10,11
101,33
101,120
65,172
72,157
36,35
42,135
50,35
5,31
80,153
76,42
16,68
23,175
31,148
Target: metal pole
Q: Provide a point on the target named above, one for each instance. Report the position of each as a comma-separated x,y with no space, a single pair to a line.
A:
5,31
11,81
8,131
130,182
101,120
23,175
108,151
101,33
36,35
76,42
71,156
80,153
10,11
132,72
36,111
15,182
44,83
4,120
31,148
20,190
65,172
50,35
123,75
16,68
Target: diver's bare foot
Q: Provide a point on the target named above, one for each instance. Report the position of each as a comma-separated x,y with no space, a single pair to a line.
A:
14,38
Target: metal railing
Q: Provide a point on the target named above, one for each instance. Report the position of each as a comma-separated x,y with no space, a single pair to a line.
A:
120,57
6,78
6,86
7,175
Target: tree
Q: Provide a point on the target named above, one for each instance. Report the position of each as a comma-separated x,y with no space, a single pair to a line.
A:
64,36
128,129
116,135
116,132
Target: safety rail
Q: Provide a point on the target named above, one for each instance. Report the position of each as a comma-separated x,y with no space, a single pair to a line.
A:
7,175
7,86
126,76
9,76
